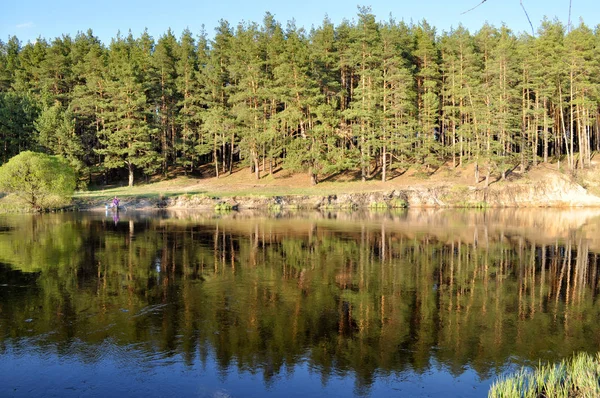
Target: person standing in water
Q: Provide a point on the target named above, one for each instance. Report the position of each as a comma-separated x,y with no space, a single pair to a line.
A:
115,203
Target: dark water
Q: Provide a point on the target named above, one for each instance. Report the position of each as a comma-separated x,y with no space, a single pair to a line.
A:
418,303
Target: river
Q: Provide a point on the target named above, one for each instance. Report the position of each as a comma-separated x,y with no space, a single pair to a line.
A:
411,303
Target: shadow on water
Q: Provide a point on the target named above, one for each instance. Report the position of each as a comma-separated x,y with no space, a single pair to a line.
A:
412,302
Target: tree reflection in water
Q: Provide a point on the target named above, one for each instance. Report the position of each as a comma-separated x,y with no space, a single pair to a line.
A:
367,295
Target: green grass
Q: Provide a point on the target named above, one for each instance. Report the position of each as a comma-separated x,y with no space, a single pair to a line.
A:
398,204
7,207
378,205
223,207
228,186
275,207
341,206
13,204
576,377
472,205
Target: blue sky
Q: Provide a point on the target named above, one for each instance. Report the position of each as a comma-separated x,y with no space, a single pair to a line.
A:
29,19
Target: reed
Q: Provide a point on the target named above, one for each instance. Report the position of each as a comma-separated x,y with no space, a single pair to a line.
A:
575,377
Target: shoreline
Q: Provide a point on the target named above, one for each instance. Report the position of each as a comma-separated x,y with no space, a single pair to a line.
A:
554,192
544,186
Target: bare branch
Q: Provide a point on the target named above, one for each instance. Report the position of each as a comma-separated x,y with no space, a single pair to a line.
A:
482,1
527,15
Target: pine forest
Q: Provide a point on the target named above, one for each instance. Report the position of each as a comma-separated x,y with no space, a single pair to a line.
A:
366,96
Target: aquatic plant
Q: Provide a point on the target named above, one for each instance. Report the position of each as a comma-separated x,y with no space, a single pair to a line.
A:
577,377
223,207
275,207
398,204
378,205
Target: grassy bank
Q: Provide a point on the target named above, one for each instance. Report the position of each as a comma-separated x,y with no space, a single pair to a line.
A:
544,185
237,184
576,377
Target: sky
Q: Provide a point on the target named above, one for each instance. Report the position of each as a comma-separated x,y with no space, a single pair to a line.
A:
30,19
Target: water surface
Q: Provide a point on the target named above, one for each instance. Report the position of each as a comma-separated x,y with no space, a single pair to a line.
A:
415,303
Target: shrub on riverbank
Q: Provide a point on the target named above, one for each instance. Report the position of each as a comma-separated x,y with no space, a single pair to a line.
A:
577,377
39,181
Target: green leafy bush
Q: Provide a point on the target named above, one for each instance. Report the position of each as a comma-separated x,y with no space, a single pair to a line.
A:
38,180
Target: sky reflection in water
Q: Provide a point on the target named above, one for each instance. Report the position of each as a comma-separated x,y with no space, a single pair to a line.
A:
418,303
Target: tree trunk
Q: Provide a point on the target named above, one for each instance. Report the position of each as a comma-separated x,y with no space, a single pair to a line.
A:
564,129
130,169
223,153
231,153
453,144
545,131
572,165
363,168
215,157
256,166
384,164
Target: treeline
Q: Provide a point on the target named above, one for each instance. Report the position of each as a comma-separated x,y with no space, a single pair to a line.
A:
377,97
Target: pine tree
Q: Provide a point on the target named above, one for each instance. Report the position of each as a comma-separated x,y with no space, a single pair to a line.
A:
282,52
398,97
219,124
347,75
9,62
428,102
483,84
164,63
56,134
56,73
89,95
247,67
365,108
544,85
127,137
190,104
463,96
303,119
583,92
28,75
504,99
323,149
17,114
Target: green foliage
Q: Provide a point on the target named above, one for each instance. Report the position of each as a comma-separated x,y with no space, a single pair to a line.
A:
335,206
474,205
378,205
367,96
56,128
223,207
575,377
39,180
398,204
275,207
127,137
18,111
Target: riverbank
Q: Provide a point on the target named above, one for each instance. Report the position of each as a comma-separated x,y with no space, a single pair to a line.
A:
542,186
